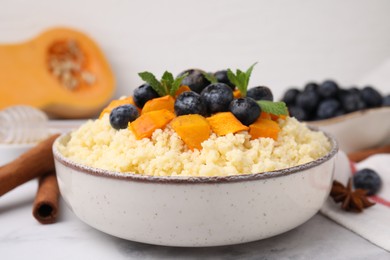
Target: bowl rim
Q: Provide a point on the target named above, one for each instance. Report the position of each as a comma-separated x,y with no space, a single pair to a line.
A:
129,176
345,117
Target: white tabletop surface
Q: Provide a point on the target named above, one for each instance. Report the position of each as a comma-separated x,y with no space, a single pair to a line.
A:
22,237
295,42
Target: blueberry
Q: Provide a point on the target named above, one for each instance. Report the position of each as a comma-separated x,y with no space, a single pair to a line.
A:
222,77
195,80
351,101
290,96
328,89
122,115
342,92
311,86
354,90
308,100
298,113
217,97
245,109
371,97
339,112
327,108
386,101
368,180
260,93
143,94
189,102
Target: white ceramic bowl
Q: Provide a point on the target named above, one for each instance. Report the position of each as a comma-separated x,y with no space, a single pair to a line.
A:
195,211
358,130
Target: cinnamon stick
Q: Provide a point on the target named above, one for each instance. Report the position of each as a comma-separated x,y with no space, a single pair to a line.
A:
45,207
363,154
33,163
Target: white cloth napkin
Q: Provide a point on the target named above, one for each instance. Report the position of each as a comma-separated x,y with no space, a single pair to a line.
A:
373,223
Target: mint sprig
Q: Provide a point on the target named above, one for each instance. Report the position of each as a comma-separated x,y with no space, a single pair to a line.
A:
276,108
153,82
210,77
168,85
176,84
241,79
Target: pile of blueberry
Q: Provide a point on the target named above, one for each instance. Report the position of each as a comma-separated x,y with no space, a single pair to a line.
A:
206,98
327,100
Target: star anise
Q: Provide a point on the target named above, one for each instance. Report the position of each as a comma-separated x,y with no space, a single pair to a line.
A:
351,200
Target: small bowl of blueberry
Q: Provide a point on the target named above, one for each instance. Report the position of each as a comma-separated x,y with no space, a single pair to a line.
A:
358,117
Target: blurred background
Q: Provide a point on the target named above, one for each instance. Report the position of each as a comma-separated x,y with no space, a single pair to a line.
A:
294,41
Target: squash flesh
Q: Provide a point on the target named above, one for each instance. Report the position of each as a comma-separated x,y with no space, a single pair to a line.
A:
193,130
224,123
146,124
116,103
264,128
27,80
165,102
182,89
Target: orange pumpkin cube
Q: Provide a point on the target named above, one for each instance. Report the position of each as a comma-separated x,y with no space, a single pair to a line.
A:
236,93
224,123
265,115
182,89
264,128
276,117
147,123
193,129
116,103
165,102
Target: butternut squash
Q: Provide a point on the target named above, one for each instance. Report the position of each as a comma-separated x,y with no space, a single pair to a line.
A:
193,129
116,103
274,117
236,93
264,128
165,102
182,89
147,123
265,115
62,71
224,123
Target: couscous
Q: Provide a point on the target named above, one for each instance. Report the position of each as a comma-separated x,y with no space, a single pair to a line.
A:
98,145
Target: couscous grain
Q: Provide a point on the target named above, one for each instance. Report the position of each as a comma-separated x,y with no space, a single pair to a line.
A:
98,145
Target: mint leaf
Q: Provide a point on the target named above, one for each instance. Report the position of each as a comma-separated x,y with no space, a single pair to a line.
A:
210,77
241,79
243,83
232,78
176,84
153,82
167,77
168,85
166,81
276,108
249,71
